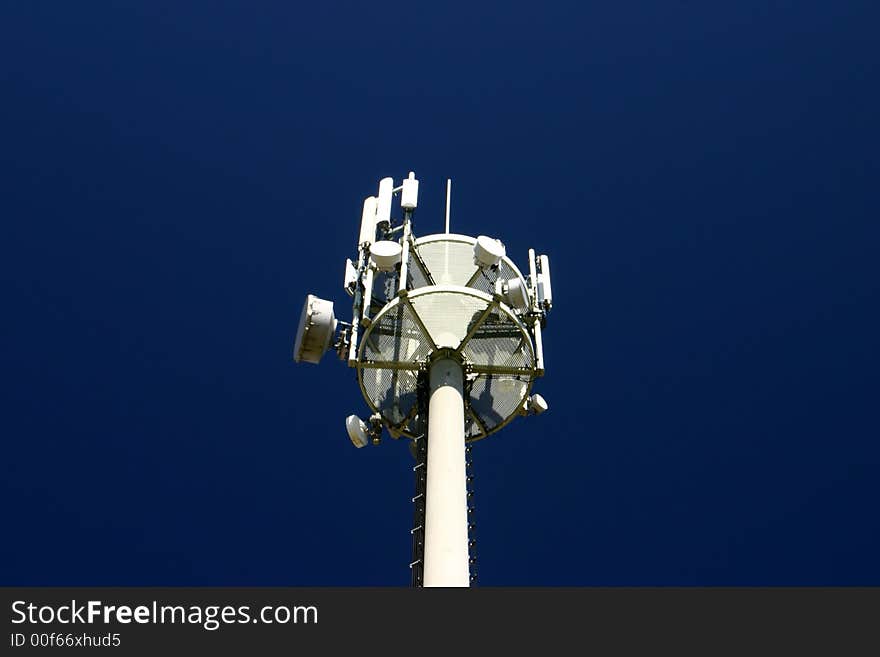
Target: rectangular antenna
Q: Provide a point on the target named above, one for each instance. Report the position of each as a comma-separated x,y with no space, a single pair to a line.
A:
448,194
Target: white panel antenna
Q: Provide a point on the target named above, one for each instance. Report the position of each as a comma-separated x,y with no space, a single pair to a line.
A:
383,205
351,277
545,291
368,221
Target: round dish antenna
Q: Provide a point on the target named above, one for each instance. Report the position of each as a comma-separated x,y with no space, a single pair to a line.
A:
358,431
537,404
514,293
488,251
317,324
386,255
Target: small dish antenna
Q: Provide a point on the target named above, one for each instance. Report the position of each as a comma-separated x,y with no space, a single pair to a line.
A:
488,252
358,431
317,324
386,255
537,404
514,293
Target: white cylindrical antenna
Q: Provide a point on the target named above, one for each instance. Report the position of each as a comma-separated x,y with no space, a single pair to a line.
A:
446,527
448,195
409,195
383,206
368,222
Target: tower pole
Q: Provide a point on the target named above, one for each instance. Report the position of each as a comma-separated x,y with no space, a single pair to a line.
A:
446,524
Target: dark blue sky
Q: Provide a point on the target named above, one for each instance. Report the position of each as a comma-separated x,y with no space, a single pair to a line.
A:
176,177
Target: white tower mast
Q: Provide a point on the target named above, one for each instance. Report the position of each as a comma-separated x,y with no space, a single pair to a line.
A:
446,339
446,525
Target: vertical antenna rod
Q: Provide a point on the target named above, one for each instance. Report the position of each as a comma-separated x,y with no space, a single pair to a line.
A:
448,194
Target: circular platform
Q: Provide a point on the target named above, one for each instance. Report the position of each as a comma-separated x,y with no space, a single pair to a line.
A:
490,339
448,259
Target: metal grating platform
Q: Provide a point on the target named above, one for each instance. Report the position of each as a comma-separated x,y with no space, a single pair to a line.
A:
488,336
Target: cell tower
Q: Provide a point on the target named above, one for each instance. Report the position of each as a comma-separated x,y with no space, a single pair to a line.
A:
446,340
